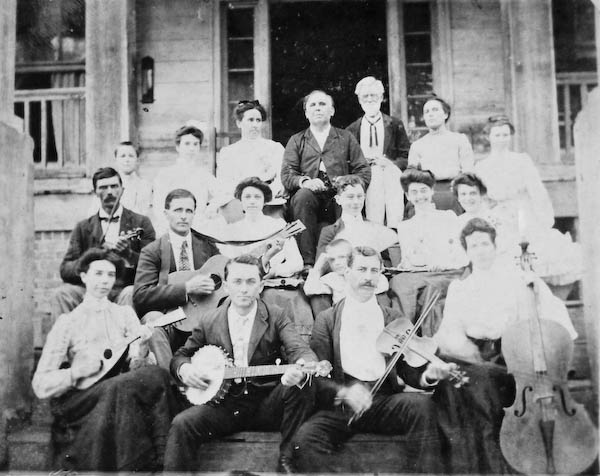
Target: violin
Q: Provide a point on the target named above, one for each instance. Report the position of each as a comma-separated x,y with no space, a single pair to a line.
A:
418,351
399,339
544,431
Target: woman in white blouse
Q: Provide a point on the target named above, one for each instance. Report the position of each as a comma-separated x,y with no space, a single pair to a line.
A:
522,204
252,155
442,151
478,310
283,254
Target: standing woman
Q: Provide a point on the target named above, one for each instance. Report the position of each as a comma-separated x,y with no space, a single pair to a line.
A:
443,152
522,203
252,155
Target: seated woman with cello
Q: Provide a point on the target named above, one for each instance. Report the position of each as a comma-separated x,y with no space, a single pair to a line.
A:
479,312
112,405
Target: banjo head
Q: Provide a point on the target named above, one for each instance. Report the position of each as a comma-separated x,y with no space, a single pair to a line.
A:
212,360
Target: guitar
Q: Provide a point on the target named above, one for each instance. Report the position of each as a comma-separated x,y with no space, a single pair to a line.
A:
198,306
215,361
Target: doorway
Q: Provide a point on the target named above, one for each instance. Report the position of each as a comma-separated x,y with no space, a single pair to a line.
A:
327,45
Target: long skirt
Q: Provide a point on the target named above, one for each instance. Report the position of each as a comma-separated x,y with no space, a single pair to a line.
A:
119,424
470,417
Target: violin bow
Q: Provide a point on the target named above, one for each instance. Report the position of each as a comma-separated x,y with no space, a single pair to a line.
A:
402,347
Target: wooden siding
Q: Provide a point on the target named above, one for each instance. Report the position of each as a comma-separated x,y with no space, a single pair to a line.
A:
181,45
477,56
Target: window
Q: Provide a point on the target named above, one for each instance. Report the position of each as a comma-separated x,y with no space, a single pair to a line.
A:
418,65
50,80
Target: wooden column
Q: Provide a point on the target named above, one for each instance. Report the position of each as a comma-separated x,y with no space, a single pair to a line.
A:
16,242
396,60
262,60
530,60
587,151
111,90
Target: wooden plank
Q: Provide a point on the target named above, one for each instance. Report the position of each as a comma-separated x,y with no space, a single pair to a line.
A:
44,134
175,50
442,49
7,59
58,120
177,72
396,60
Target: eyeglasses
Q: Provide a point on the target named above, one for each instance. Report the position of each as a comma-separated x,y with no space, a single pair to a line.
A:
254,102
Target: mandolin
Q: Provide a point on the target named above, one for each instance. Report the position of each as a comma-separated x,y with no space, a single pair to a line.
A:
219,366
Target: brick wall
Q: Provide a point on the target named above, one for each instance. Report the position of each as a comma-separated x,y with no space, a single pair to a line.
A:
49,249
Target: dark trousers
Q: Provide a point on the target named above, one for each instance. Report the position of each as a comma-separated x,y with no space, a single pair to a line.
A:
282,408
311,209
408,414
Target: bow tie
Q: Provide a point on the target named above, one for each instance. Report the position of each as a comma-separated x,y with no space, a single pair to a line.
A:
113,219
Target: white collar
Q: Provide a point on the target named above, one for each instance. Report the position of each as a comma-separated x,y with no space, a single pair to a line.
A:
323,133
232,312
118,213
91,302
373,120
354,303
347,218
178,239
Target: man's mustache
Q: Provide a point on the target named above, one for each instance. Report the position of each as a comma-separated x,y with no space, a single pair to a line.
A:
367,282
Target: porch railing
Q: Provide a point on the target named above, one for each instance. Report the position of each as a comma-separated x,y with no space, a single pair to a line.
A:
572,92
55,119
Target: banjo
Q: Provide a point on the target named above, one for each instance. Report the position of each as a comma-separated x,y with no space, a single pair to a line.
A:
220,370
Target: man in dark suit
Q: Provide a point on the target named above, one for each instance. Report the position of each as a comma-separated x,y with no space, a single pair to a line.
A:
385,144
180,249
348,336
313,159
114,232
252,332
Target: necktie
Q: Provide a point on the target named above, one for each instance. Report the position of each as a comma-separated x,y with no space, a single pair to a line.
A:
184,259
113,219
373,133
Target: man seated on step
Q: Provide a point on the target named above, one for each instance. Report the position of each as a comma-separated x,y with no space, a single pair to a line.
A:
180,249
346,335
253,333
112,227
112,405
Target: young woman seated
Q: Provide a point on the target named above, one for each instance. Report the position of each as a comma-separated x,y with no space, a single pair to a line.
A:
112,405
280,252
478,311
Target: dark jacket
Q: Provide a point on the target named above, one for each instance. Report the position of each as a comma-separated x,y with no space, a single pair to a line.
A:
88,233
328,234
151,292
341,155
395,140
325,342
272,329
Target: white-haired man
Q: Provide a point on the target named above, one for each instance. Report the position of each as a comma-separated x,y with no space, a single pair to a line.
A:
385,145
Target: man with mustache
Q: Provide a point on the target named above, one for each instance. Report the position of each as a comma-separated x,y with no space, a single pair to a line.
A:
346,336
313,159
108,228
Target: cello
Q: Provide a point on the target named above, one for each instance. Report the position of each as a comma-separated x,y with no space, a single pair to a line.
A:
545,430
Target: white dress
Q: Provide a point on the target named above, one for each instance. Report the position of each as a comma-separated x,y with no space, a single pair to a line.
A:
522,207
431,240
248,158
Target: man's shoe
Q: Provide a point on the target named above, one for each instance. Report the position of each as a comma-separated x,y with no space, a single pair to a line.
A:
285,465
